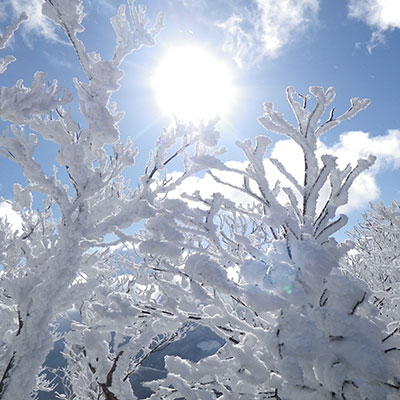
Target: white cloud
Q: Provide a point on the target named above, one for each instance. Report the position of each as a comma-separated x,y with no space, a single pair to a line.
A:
382,15
243,38
355,145
282,19
12,217
251,34
37,25
351,147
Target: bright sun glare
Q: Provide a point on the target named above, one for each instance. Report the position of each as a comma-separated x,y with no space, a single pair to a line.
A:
193,85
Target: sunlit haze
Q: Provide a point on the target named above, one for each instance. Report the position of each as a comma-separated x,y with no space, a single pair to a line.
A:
192,84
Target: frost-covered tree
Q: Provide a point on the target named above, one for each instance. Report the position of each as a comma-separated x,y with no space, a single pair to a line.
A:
263,276
59,260
295,326
375,257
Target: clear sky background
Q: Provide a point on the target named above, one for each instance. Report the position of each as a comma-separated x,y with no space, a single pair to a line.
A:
353,45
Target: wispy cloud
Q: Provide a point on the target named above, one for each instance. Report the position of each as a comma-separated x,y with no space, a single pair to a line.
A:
37,25
104,7
243,38
381,15
253,33
59,61
4,12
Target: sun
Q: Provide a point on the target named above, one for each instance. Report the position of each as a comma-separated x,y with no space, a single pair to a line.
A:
193,85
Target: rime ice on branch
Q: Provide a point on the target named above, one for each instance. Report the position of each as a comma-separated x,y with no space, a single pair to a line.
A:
265,276
375,258
316,172
61,261
8,34
295,327
53,263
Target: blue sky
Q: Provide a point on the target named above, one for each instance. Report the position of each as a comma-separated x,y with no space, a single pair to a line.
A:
268,45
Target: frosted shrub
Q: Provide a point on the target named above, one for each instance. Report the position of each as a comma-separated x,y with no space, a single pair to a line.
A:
375,258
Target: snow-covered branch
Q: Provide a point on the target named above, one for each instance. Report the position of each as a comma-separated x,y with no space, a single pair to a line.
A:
4,39
263,276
